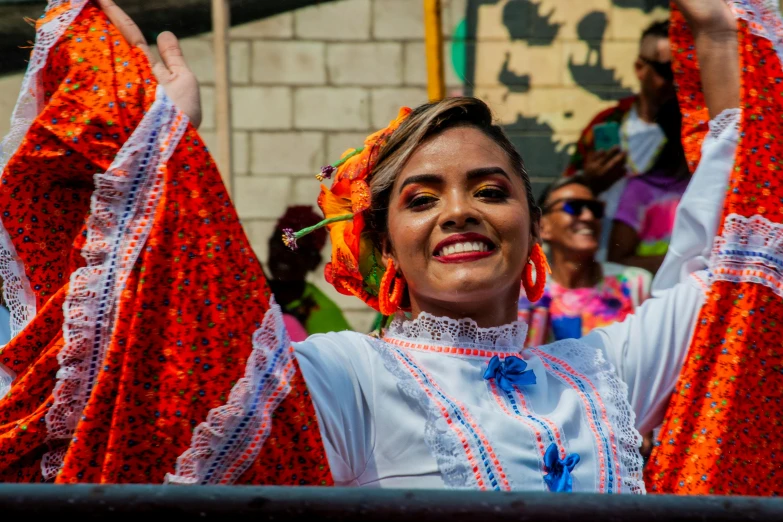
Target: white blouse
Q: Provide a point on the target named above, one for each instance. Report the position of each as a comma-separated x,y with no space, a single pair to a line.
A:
414,409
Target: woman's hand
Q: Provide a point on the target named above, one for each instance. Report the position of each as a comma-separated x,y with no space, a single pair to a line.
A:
708,16
172,72
714,29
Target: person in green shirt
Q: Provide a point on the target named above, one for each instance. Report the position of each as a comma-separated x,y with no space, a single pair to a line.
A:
299,299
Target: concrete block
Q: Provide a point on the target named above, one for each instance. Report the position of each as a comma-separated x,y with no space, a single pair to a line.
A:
398,19
339,142
518,65
332,108
9,92
288,63
261,198
258,232
329,21
386,103
415,68
207,108
454,13
198,52
283,153
274,27
239,55
306,191
365,63
241,153
261,108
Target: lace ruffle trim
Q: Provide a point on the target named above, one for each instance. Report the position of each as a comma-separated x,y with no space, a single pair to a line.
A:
443,443
231,438
727,119
613,394
763,19
17,292
462,333
750,249
122,213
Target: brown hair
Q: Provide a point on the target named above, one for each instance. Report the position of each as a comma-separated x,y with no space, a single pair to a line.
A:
424,123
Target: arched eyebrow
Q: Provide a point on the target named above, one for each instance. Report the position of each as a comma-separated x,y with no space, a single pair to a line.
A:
432,179
487,171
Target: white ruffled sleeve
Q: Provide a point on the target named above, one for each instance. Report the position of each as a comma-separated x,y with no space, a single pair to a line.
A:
649,347
335,368
699,212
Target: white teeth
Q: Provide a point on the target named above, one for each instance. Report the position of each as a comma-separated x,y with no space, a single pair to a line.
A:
461,248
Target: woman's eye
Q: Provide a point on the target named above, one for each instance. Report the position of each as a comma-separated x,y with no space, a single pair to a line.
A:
421,200
492,193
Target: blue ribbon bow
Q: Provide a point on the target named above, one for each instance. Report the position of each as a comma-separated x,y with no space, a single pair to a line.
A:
558,476
509,372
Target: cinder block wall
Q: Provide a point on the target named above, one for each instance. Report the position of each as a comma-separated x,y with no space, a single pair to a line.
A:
308,84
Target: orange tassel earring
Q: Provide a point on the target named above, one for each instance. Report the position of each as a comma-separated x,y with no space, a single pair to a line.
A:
390,299
535,290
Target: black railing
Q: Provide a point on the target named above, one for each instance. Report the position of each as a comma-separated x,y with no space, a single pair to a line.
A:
256,504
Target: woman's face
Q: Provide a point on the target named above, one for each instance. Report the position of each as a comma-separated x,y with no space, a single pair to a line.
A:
458,225
563,228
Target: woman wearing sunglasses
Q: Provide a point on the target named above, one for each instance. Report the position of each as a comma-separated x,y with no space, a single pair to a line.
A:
582,293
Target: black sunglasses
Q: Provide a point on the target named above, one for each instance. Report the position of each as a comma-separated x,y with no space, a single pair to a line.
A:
662,69
575,207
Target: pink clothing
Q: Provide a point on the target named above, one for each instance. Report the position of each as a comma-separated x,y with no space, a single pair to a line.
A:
296,331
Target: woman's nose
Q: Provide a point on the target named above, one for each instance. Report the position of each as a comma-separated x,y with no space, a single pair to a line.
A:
458,212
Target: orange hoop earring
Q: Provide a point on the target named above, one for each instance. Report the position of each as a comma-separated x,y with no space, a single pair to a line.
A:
390,299
535,290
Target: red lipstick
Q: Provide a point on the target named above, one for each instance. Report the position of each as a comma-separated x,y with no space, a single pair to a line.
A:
464,257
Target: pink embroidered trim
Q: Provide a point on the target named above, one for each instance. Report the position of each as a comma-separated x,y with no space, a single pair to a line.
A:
448,350
545,357
527,422
502,478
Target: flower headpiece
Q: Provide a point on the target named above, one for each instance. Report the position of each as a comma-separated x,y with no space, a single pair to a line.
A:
355,268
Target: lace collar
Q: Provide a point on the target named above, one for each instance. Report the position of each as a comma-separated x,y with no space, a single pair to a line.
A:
432,333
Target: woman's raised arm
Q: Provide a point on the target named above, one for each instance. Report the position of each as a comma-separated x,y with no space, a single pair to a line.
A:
714,29
171,70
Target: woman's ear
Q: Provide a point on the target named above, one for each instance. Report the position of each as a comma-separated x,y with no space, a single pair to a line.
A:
544,230
387,250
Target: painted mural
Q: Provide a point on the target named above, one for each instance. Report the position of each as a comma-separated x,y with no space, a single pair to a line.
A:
548,66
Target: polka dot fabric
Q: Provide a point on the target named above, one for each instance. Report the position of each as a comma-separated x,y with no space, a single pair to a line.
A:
721,431
185,316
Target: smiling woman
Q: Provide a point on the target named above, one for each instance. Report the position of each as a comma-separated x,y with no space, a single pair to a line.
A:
433,215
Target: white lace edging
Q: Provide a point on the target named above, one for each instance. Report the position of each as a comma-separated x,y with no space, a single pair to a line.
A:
463,333
763,18
121,215
231,438
750,249
613,392
727,119
442,442
17,292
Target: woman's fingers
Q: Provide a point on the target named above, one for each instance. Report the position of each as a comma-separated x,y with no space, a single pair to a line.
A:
127,27
171,52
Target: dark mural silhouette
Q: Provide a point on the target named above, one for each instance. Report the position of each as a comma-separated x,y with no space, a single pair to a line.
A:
643,5
524,21
592,75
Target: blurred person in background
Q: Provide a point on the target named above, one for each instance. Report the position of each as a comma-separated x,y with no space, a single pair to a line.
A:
307,310
640,135
582,293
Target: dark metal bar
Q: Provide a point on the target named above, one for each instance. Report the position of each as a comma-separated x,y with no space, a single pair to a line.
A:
116,503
